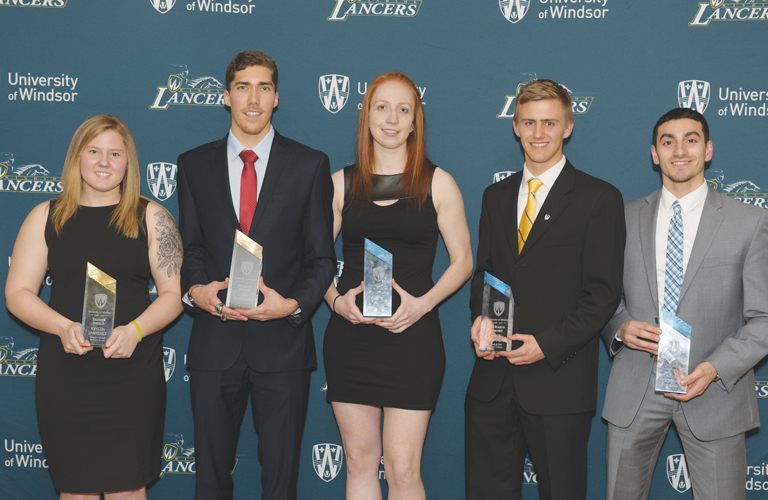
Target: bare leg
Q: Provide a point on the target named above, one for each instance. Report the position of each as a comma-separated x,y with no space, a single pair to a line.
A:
360,427
404,434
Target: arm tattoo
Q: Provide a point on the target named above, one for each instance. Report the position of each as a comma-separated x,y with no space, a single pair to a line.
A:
169,250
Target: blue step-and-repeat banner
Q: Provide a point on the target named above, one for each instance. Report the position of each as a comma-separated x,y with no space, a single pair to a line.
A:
159,65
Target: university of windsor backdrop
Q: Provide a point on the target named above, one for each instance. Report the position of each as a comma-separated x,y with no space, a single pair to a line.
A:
159,65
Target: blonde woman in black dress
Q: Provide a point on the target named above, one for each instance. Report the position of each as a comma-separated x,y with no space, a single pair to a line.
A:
91,398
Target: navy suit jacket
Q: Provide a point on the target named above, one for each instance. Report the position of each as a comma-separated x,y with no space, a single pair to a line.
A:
566,284
294,224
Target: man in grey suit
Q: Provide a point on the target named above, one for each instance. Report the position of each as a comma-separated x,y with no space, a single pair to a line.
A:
723,295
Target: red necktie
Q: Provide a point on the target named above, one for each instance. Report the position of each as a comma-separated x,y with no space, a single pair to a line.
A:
248,189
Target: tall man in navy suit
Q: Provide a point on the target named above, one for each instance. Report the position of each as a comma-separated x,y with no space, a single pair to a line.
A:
555,235
279,193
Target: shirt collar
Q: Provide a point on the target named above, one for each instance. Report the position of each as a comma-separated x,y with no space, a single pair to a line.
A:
549,177
262,149
688,202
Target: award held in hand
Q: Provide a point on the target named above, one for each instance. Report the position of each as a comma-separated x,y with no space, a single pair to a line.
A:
674,353
498,310
377,281
244,273
99,301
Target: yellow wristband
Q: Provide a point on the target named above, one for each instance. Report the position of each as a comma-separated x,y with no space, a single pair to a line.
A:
138,329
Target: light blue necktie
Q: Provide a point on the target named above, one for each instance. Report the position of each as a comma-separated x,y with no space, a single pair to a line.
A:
673,270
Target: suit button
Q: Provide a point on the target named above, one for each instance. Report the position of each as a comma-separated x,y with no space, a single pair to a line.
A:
656,320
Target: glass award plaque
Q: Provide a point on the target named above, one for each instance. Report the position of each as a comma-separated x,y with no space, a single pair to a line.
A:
99,301
377,281
244,273
498,310
674,353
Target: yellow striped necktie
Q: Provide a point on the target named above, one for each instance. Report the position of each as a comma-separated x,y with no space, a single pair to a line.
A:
529,214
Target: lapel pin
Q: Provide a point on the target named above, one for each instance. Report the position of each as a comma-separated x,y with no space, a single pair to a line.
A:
546,216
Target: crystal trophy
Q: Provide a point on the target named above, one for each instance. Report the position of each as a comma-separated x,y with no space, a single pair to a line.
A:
244,273
674,353
99,301
377,281
498,310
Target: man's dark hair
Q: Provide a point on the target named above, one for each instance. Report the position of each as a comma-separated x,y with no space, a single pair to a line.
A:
679,114
246,60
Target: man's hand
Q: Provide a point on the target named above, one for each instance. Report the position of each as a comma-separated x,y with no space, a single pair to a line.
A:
480,329
528,353
207,298
274,305
640,336
696,382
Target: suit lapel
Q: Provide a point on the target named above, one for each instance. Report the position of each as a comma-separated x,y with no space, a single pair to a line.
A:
557,199
648,216
221,177
509,211
711,218
278,157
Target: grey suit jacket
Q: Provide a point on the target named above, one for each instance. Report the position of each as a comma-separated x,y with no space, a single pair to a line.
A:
725,300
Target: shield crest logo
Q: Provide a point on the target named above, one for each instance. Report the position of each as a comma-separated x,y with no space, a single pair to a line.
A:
246,267
161,178
500,176
175,82
162,6
3,170
498,308
334,92
677,473
3,354
169,361
378,274
693,94
170,451
514,10
327,459
100,299
716,3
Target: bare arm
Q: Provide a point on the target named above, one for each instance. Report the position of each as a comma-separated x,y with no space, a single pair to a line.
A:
29,263
165,254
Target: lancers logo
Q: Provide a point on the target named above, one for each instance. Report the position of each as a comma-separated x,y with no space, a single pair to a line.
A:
21,363
761,389
169,362
178,460
180,89
677,473
334,92
57,4
162,6
580,104
327,459
529,475
32,178
514,10
736,10
161,178
693,94
500,176
386,8
744,191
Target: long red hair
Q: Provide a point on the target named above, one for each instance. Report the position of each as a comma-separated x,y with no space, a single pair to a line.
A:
416,176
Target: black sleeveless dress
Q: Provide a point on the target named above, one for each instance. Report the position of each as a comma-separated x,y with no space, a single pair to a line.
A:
101,420
367,364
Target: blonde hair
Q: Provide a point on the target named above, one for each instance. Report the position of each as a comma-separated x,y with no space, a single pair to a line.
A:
538,90
126,216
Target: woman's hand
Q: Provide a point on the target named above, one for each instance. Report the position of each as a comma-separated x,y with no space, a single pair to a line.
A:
122,342
73,341
410,311
347,308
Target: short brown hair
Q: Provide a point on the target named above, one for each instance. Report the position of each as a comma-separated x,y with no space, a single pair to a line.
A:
247,59
538,90
680,114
